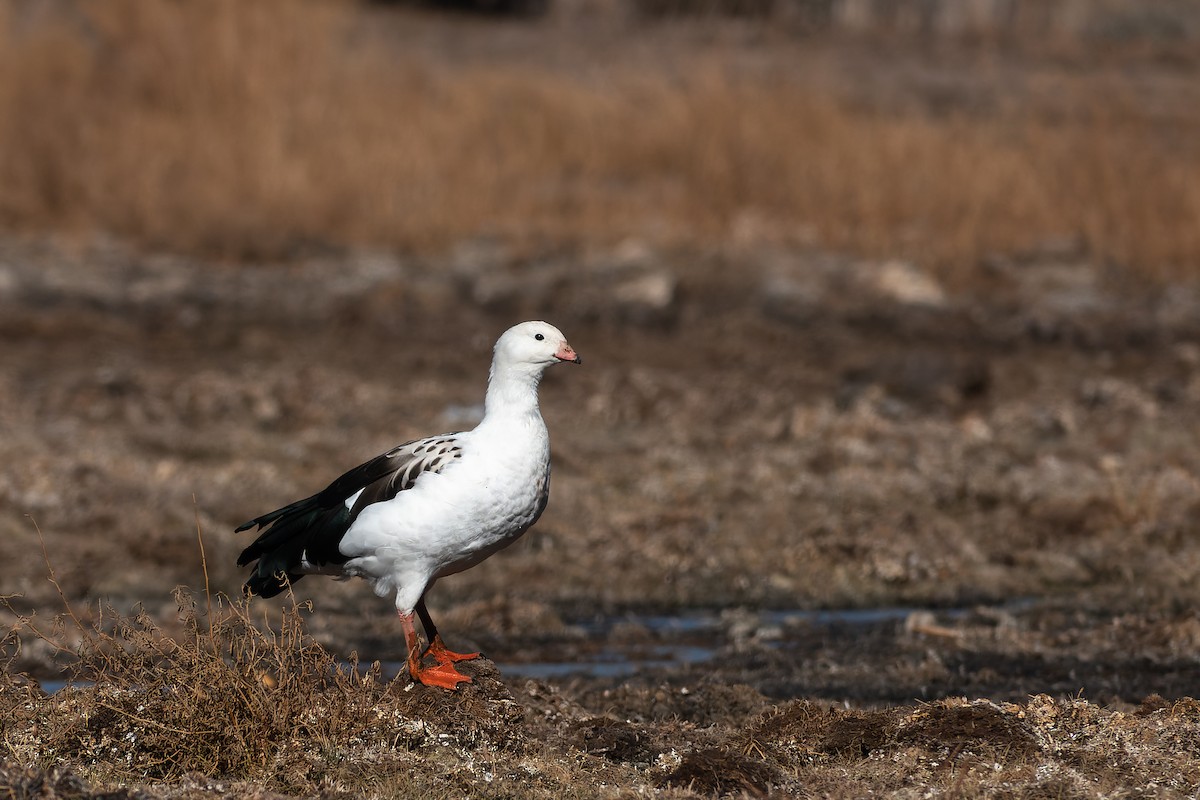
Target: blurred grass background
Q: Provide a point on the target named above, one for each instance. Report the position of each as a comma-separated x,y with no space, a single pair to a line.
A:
256,129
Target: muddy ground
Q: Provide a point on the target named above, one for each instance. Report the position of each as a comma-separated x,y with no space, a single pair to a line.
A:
753,434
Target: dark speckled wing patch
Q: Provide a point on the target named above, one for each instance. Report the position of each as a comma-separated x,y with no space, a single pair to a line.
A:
405,464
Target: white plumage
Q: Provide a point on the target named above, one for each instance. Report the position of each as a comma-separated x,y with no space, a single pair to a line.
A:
427,508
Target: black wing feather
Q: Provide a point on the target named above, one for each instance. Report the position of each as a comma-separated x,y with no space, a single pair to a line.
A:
311,529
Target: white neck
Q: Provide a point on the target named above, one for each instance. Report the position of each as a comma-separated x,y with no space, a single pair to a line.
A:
512,392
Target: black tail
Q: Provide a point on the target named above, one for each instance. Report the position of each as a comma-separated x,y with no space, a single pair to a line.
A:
302,531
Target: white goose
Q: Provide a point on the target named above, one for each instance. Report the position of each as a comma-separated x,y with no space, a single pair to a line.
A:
427,508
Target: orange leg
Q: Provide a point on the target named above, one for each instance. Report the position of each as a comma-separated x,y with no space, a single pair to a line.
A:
437,648
443,675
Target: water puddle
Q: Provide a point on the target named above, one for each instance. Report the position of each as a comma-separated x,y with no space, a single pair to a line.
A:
694,637
612,663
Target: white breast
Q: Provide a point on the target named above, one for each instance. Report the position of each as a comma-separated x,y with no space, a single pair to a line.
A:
451,521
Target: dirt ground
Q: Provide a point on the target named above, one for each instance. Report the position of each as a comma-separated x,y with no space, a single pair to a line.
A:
753,433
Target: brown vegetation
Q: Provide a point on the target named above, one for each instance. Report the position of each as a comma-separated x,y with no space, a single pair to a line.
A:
258,128
225,709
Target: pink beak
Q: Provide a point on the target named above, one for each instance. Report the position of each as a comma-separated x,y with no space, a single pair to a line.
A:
567,353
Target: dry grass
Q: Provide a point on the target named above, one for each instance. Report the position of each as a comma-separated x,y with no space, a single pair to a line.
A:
231,711
221,697
251,129
225,693
233,699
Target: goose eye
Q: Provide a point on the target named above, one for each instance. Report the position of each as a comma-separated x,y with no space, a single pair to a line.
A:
538,336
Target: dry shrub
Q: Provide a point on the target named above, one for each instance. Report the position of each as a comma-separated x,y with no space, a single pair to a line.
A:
224,697
226,703
254,128
805,731
982,730
716,771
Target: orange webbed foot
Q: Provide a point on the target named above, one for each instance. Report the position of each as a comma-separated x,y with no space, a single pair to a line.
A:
444,676
443,656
